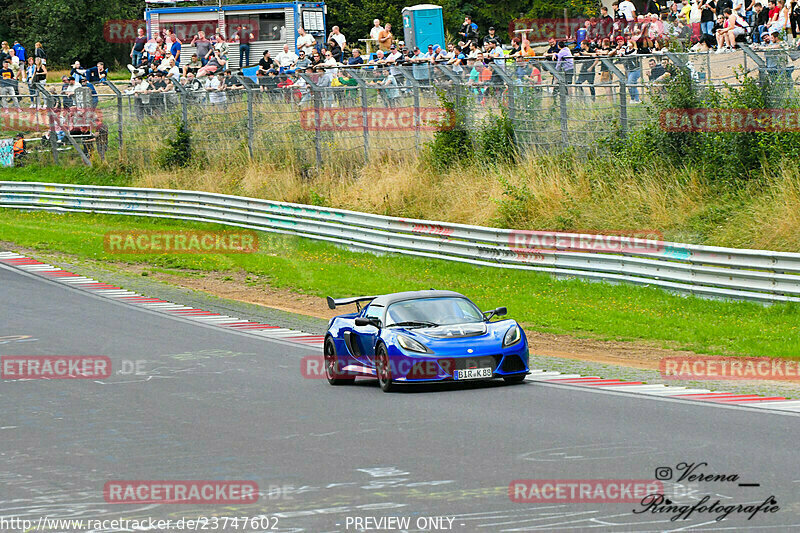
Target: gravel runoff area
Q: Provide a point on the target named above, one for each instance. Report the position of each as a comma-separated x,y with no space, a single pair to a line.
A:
172,293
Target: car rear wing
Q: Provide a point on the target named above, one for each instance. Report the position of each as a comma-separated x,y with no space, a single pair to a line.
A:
358,300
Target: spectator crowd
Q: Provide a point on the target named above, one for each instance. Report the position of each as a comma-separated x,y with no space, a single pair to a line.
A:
159,67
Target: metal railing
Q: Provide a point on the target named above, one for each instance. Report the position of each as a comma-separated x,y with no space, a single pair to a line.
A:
738,274
268,119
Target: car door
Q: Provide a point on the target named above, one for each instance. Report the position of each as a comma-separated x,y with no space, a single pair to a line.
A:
361,340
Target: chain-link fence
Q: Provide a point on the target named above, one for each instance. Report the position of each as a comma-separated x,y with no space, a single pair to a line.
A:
351,115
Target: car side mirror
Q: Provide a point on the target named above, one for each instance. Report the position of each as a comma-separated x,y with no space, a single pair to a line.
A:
500,311
362,321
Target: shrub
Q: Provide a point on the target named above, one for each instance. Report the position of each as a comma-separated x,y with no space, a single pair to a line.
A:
451,142
178,150
496,139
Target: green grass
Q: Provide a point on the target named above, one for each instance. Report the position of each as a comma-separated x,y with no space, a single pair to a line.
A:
78,175
596,310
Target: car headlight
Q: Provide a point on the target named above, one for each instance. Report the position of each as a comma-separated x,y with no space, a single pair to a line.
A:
513,336
411,345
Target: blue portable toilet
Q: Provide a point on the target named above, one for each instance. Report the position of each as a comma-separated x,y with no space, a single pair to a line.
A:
423,24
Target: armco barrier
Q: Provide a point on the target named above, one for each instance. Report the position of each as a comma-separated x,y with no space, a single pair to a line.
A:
708,271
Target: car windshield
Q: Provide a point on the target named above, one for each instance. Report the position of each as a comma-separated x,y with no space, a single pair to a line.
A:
433,312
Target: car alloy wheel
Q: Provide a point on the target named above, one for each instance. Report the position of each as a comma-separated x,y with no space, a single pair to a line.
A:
332,365
383,369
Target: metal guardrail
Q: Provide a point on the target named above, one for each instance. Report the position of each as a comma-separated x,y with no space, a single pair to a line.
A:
708,271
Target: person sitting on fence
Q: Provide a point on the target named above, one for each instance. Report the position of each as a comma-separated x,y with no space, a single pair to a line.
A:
215,64
66,93
586,54
379,59
77,72
387,88
286,59
234,82
193,66
8,84
97,74
30,77
286,86
356,59
760,20
266,63
87,93
161,84
172,72
335,51
143,69
733,27
215,85
191,83
303,62
302,92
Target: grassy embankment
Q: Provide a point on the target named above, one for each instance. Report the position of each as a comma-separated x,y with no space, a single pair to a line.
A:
541,303
540,193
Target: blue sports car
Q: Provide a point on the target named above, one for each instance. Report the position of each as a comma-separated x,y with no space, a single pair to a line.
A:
422,336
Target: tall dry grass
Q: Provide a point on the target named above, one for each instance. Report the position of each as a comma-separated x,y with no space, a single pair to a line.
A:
560,193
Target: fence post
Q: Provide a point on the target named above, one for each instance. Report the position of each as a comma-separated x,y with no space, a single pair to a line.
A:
119,96
623,98
365,118
562,100
317,132
512,87
48,99
250,124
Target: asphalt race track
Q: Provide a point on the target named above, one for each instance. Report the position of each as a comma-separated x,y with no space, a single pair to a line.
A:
212,404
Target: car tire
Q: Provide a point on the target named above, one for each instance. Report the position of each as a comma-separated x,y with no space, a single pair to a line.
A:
332,365
383,369
519,378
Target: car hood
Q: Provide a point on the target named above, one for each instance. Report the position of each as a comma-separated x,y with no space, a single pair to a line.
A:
452,331
460,337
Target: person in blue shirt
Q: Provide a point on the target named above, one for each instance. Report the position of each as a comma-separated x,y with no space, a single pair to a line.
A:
175,50
357,59
85,83
97,74
19,50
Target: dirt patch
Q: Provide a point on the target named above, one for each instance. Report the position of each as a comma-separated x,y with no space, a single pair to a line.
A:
252,289
631,354
248,288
